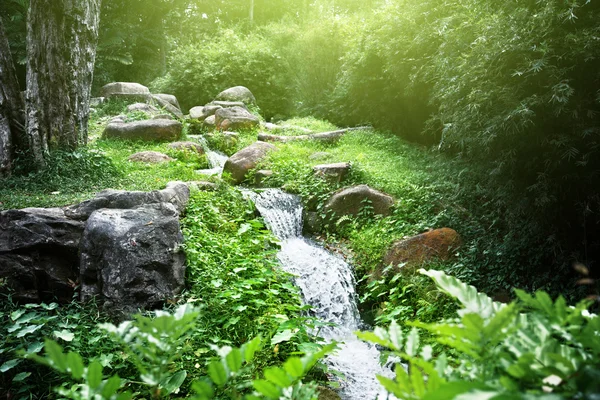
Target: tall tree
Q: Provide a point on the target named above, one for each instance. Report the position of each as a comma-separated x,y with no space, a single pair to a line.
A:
62,36
12,118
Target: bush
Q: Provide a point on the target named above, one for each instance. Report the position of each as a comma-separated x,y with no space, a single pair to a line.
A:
198,72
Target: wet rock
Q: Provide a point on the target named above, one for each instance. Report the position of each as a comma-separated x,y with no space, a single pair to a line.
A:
148,130
177,193
332,172
237,93
151,157
437,244
235,118
312,222
39,254
126,90
246,159
132,259
350,201
187,146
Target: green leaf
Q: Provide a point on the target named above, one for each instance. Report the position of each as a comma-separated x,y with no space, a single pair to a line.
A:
21,376
203,389
65,335
283,336
234,360
94,375
75,365
278,376
28,329
217,373
35,348
266,388
10,364
111,386
173,382
250,348
294,367
412,342
55,353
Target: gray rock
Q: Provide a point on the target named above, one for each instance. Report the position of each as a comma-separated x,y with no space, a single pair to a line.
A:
151,157
210,121
332,172
143,107
237,93
202,112
176,193
168,98
39,254
149,130
260,176
227,104
350,201
163,116
187,146
246,159
235,118
311,222
132,259
126,90
167,106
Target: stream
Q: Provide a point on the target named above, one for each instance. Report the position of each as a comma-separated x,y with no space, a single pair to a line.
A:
327,284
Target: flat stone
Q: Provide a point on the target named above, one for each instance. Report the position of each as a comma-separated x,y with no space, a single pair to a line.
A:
126,90
143,107
151,157
187,146
148,130
261,175
332,172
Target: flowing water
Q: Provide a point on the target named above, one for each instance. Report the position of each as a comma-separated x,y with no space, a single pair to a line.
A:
216,159
327,284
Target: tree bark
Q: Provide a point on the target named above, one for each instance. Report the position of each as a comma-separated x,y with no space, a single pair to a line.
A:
12,117
62,36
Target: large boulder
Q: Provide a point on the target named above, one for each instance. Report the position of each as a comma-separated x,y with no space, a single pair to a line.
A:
39,253
163,103
246,159
169,98
237,93
235,118
132,259
437,244
126,90
176,193
350,201
150,157
148,130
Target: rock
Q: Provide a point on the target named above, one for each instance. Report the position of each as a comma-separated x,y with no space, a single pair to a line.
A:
149,130
132,259
152,157
332,172
187,146
126,90
39,254
163,116
246,159
237,93
202,113
312,222
169,98
350,201
436,244
167,106
227,104
235,118
176,193
97,101
210,121
271,127
260,176
325,393
143,107
319,155
230,138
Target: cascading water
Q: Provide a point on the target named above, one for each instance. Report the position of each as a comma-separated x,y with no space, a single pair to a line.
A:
216,159
327,284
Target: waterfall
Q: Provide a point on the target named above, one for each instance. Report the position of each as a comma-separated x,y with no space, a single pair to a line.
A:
216,159
327,284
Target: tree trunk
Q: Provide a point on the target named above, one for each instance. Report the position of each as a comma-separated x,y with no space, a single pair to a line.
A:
61,50
12,117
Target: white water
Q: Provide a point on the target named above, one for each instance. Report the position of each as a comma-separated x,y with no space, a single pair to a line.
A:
216,159
327,284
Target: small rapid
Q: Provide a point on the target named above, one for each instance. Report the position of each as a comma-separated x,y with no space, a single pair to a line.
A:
216,159
328,285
